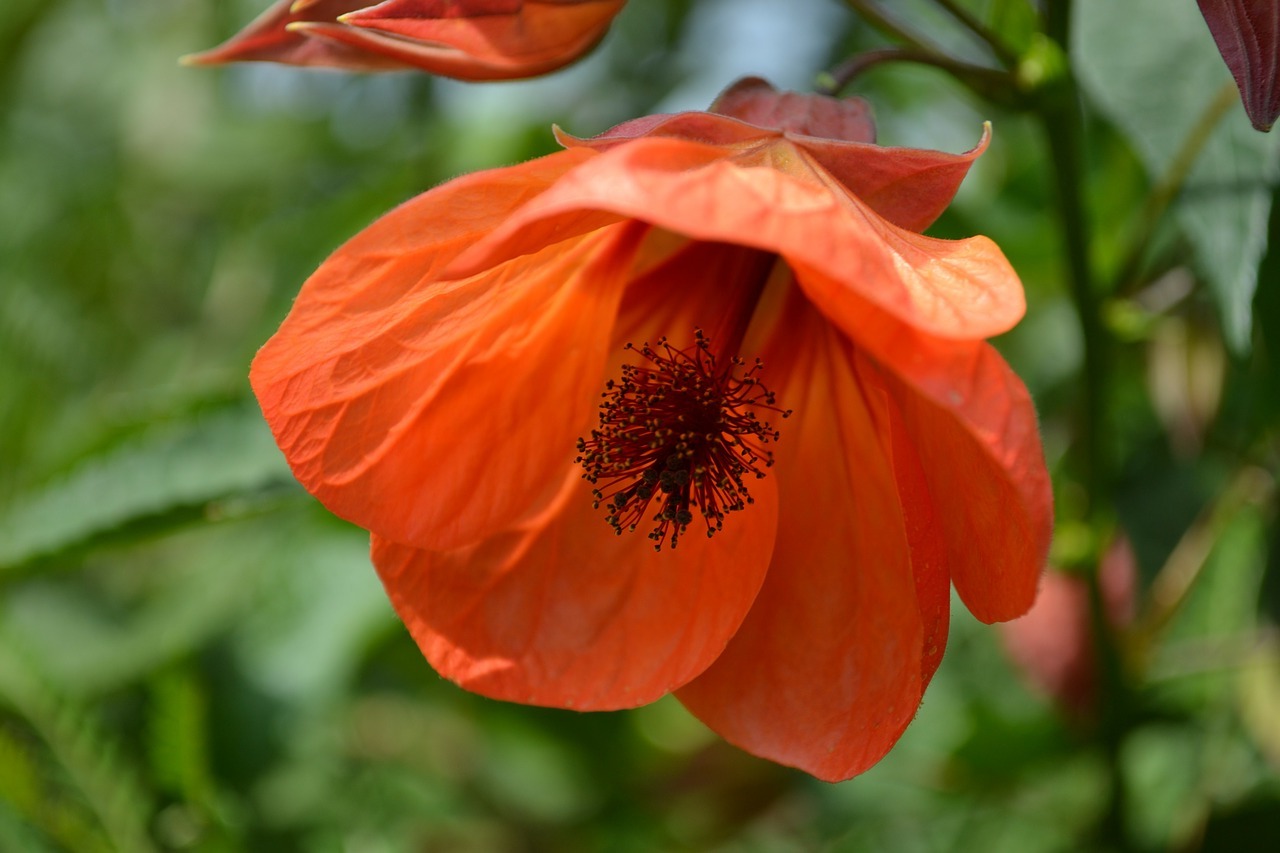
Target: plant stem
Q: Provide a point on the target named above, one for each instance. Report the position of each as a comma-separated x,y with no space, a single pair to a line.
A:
873,15
1060,116
1060,120
1057,21
993,41
987,80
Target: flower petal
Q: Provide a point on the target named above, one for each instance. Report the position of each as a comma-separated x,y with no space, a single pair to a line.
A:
925,532
775,198
974,426
561,611
825,672
433,411
909,187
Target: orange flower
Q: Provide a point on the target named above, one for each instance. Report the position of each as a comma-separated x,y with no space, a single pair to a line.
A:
448,378
467,39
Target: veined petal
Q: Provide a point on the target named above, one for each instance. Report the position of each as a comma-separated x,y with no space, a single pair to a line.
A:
825,672
774,197
909,187
433,411
973,424
560,611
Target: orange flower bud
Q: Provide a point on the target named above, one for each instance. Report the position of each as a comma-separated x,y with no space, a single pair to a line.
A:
466,39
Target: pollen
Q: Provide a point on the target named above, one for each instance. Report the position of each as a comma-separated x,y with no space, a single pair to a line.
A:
679,436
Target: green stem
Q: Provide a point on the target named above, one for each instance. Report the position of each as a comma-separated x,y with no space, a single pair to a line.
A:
1060,120
986,80
1057,21
884,22
975,26
1059,112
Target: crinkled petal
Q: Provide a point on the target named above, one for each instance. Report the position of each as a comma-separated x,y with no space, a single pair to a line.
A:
433,411
562,611
825,672
973,424
909,187
774,198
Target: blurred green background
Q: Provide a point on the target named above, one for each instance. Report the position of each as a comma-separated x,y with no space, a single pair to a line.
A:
194,655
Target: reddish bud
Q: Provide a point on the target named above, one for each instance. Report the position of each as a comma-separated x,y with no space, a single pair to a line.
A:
1053,643
466,39
1248,36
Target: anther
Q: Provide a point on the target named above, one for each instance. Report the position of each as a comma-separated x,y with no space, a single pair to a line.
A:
679,431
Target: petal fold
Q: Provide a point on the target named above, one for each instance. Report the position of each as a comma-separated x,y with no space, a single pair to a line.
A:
973,425
772,197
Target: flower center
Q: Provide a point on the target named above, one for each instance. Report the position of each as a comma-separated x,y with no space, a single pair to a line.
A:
681,433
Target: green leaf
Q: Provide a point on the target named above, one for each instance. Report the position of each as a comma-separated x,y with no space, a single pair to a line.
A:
305,579
1153,70
186,465
94,761
177,737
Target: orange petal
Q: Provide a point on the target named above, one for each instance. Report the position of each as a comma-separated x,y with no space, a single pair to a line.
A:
775,198
825,672
973,424
433,411
925,533
909,187
562,611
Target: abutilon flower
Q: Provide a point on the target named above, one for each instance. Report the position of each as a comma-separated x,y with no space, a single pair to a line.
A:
689,406
466,39
1247,33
